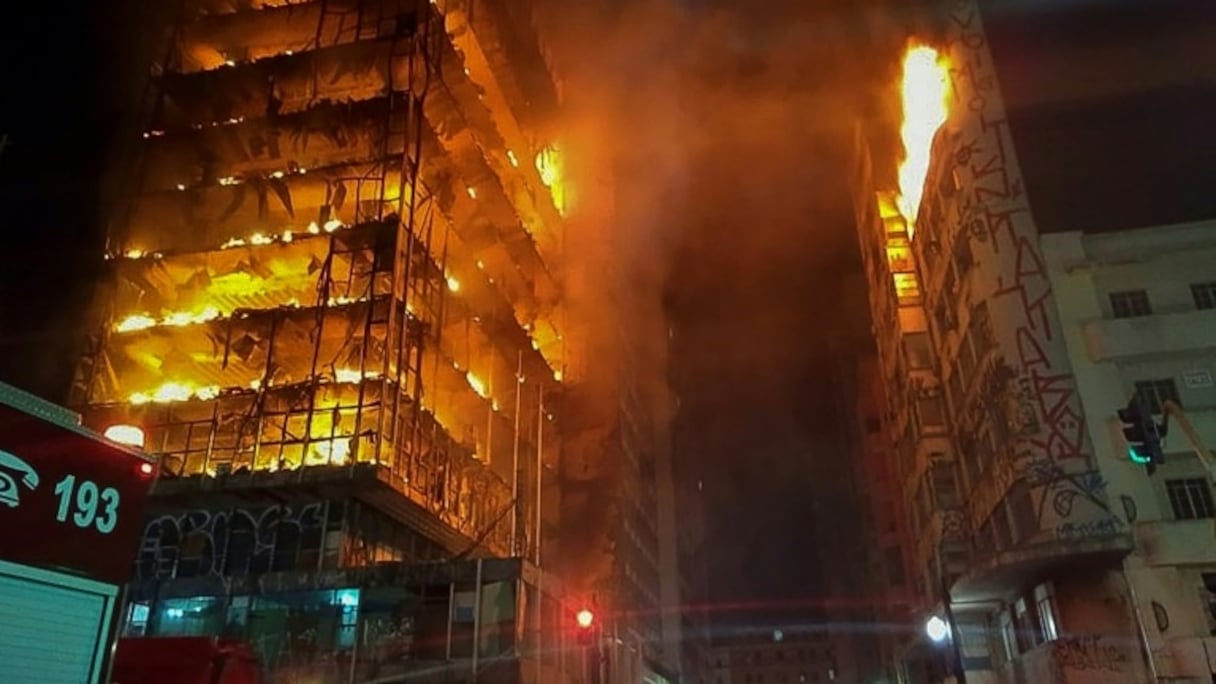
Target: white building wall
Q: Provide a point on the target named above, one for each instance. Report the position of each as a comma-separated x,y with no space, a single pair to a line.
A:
992,214
1108,355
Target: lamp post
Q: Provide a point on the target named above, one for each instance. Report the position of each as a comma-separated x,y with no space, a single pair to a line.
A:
939,629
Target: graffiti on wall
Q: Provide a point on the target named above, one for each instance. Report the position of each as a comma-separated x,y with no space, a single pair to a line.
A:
232,542
1039,412
1090,653
1076,502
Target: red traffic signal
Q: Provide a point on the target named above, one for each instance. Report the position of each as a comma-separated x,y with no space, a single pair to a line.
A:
585,618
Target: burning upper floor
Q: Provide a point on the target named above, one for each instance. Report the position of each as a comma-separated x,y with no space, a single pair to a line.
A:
342,248
924,96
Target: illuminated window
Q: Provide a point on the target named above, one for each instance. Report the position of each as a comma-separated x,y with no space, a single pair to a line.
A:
906,285
899,255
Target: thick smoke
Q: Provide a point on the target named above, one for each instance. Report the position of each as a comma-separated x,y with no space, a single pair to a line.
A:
708,147
698,139
624,136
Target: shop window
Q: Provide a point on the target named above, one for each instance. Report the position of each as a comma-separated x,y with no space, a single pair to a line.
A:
197,616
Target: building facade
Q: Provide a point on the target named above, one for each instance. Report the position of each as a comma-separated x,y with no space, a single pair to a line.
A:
333,311
888,594
1139,319
780,656
1036,538
914,417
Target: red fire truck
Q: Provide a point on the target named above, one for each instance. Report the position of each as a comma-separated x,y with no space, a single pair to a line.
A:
71,510
184,660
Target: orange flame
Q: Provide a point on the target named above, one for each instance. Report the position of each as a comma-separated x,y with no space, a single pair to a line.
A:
926,92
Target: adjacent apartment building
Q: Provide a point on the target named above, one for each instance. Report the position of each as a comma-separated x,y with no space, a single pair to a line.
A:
334,312
886,578
1054,262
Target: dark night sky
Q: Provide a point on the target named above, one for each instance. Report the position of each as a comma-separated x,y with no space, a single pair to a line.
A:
44,187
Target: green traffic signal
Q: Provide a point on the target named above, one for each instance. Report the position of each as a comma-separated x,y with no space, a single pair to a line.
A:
1143,435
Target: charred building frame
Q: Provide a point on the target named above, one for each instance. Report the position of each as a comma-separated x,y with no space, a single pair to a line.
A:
333,313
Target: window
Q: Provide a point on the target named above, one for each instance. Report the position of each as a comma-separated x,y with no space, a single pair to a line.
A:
1044,600
916,347
945,489
1204,295
1130,303
931,413
1155,392
1208,596
1028,636
906,285
1190,498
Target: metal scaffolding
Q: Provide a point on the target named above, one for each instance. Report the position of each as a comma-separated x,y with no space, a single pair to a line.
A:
284,291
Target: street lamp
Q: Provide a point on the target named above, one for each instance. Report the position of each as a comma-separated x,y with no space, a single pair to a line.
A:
937,629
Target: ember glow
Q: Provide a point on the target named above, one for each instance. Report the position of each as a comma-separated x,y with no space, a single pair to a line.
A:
549,166
925,91
278,310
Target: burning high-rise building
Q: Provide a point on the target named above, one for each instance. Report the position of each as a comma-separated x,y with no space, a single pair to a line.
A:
335,317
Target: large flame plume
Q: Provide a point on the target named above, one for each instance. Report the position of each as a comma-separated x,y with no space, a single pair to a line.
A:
925,92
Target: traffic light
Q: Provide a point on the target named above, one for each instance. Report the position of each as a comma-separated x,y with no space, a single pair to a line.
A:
1143,434
585,623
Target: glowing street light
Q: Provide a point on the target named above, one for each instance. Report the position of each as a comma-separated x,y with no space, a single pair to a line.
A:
937,629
